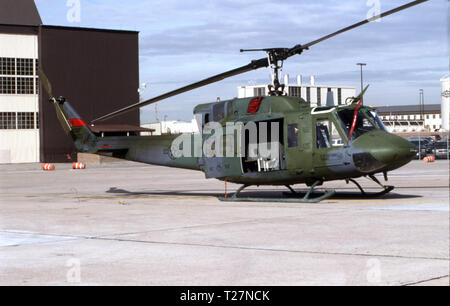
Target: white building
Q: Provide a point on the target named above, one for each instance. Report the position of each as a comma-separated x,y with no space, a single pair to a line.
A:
19,99
313,93
171,127
409,118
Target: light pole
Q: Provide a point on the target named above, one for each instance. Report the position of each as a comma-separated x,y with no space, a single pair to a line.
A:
141,91
422,106
421,110
362,80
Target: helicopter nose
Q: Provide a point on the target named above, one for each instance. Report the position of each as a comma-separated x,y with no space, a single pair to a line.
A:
387,151
394,149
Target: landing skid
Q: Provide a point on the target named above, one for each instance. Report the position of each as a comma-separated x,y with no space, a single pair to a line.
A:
292,199
386,189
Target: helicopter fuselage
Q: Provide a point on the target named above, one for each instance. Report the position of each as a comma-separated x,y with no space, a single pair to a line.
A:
313,143
265,141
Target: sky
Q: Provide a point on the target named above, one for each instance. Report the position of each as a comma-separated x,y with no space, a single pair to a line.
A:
181,42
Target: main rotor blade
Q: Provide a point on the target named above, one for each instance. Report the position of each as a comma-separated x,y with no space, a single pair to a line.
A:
398,9
263,62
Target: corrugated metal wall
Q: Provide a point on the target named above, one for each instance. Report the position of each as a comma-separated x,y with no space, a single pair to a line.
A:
96,70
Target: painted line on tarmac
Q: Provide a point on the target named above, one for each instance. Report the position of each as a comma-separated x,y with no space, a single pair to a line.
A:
20,238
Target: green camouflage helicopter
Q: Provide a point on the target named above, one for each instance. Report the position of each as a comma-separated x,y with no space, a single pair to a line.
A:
273,140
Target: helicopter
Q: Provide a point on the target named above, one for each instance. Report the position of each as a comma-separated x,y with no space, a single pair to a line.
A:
275,140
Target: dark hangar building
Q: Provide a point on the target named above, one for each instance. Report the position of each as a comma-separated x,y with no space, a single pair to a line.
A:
96,70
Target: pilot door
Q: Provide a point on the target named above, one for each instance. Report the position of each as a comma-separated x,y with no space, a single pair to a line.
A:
220,156
328,147
298,143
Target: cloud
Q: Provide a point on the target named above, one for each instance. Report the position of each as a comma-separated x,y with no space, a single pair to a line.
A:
185,41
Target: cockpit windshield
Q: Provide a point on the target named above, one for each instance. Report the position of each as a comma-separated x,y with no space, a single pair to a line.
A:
367,121
376,119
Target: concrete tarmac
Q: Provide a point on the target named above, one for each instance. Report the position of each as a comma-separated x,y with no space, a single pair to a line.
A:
135,224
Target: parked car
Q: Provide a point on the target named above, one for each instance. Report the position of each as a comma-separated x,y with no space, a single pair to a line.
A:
441,150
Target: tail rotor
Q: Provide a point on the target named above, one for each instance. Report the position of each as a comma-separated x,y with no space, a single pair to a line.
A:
56,102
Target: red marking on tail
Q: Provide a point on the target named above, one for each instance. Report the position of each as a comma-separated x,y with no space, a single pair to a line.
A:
77,122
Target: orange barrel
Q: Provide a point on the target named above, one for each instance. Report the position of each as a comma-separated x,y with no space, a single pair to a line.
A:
48,167
429,159
78,166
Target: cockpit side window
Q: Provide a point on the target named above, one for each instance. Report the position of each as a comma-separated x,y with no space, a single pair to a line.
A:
327,134
323,134
336,137
292,135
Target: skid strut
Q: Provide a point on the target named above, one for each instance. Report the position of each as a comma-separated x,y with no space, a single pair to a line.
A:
306,199
386,189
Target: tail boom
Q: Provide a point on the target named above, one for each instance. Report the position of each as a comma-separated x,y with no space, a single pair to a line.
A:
146,149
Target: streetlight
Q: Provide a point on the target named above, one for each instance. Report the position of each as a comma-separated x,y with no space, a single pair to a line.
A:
141,90
362,81
422,118
422,106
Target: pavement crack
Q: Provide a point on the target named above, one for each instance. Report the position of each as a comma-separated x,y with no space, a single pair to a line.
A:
197,226
270,250
426,281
